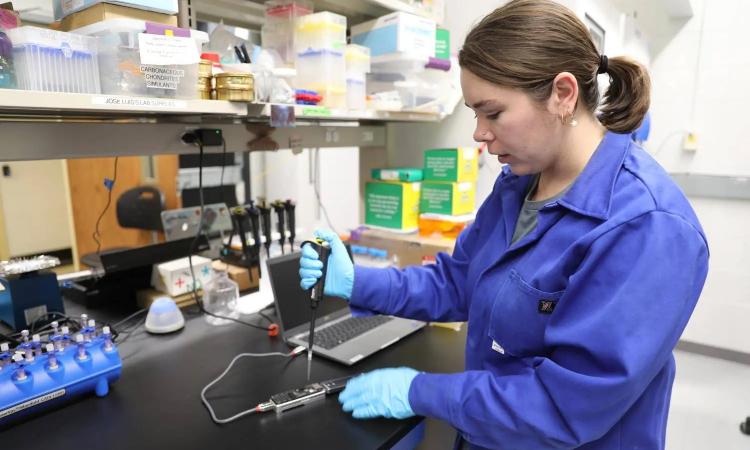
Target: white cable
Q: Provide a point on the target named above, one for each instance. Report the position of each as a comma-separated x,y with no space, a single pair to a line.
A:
229,367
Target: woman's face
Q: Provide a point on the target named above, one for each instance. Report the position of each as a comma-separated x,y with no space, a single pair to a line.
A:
518,130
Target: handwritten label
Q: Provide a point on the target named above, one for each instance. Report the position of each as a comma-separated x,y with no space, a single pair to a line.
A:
161,50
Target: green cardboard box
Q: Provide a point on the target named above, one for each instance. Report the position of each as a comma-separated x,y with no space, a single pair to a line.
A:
447,198
392,205
451,164
442,44
399,174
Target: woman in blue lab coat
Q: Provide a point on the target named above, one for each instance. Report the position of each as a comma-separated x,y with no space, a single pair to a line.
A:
579,274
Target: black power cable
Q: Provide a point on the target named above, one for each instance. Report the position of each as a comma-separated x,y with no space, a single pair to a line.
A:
193,245
110,185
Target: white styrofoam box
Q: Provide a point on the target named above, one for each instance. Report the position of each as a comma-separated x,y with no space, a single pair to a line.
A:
132,62
63,8
174,278
187,178
397,32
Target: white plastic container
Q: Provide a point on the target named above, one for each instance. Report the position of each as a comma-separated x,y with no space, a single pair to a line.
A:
357,59
399,63
356,92
416,93
323,71
120,61
323,30
278,31
54,61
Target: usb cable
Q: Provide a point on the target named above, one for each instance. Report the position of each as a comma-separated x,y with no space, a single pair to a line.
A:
261,407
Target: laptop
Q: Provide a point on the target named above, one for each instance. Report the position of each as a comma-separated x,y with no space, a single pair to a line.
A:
338,335
184,223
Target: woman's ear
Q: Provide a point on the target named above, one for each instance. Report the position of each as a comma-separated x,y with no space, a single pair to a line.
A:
564,95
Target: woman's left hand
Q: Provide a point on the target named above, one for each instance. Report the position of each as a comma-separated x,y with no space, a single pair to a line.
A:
380,393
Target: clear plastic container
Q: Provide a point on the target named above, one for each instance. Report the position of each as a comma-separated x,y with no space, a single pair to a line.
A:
399,63
356,92
220,297
285,11
278,31
323,30
54,61
120,65
323,71
7,76
415,94
357,59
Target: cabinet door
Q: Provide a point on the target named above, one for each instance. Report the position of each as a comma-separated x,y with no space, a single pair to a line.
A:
89,197
34,207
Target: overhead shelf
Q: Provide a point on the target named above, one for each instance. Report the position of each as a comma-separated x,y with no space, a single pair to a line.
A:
249,14
18,104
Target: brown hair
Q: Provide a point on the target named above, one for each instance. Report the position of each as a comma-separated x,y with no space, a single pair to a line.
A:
526,43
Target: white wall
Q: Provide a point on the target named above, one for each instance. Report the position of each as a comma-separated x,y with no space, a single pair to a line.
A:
699,84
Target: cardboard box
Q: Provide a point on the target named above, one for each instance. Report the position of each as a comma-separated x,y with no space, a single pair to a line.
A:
392,205
442,44
399,174
451,164
105,11
453,199
397,32
174,278
411,249
64,8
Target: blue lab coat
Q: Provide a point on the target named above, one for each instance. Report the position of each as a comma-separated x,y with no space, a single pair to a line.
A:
571,329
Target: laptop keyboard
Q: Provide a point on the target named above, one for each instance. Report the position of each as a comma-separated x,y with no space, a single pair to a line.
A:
346,330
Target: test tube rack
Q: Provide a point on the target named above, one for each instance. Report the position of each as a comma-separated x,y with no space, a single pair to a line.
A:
34,380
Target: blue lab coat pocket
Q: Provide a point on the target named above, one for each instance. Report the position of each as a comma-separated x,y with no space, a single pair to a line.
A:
519,317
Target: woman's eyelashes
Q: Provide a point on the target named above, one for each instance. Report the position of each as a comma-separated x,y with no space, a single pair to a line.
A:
492,116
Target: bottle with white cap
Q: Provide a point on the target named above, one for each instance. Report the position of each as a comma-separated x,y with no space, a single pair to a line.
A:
51,358
89,333
36,345
5,356
108,345
65,341
20,373
81,353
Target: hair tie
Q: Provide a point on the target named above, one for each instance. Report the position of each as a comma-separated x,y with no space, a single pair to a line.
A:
603,65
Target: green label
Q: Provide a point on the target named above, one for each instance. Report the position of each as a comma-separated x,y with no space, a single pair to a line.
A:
316,111
383,204
436,198
442,44
441,165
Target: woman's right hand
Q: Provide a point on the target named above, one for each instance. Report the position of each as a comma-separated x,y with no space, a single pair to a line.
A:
340,271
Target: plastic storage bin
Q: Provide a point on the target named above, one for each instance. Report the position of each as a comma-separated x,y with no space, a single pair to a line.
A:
356,94
278,31
357,59
399,63
54,61
120,65
323,30
323,71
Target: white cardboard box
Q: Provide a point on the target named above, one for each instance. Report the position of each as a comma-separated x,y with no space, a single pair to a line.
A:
173,277
395,33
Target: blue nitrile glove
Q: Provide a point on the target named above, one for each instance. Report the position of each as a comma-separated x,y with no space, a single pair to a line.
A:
382,392
340,272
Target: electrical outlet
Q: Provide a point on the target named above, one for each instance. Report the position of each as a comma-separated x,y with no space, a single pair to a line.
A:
690,143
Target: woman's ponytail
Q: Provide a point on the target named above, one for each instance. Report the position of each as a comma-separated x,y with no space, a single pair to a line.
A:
627,100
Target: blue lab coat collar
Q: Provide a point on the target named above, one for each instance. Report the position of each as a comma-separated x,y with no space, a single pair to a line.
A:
591,193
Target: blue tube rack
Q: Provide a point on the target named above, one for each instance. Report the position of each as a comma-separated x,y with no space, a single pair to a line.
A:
45,388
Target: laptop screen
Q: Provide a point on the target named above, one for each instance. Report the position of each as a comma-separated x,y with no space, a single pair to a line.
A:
292,303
